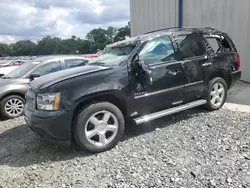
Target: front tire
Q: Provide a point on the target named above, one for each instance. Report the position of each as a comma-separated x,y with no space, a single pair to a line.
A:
12,107
217,94
99,127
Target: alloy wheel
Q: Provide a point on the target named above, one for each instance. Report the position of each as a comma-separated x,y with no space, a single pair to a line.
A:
217,94
101,128
14,107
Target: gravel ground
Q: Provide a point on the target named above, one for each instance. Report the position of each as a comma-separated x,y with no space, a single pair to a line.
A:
190,149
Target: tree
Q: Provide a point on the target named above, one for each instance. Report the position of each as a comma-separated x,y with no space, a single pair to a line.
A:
122,33
97,38
111,33
4,50
70,46
84,46
48,46
23,48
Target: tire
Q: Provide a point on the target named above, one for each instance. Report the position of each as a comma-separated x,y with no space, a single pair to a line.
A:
210,96
6,103
86,122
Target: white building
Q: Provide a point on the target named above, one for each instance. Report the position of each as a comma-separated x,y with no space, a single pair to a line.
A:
231,16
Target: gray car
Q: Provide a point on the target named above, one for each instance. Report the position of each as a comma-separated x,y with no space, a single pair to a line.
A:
14,85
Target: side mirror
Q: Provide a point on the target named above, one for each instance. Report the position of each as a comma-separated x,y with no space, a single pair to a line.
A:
33,76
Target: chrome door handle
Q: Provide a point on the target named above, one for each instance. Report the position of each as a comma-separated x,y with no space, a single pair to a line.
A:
172,73
206,64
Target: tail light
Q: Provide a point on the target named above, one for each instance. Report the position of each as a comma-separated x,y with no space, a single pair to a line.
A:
238,60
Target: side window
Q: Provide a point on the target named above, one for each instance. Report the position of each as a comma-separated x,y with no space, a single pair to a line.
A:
219,45
213,42
191,45
48,68
71,63
158,50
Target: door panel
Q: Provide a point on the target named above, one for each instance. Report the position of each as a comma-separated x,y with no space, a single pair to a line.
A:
196,61
166,90
195,70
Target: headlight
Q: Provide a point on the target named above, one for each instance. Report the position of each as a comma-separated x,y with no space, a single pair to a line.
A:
48,101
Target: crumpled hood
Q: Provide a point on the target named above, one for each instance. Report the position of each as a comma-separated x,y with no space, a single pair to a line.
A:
53,78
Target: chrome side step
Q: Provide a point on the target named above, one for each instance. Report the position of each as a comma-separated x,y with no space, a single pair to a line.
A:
170,111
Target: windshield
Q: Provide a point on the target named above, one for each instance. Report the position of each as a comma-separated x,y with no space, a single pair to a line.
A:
113,56
22,70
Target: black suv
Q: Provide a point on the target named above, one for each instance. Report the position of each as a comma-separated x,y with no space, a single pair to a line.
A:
140,79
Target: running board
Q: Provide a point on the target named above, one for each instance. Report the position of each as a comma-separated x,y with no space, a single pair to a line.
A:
167,112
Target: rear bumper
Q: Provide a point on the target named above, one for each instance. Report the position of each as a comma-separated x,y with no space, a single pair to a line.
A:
55,127
236,76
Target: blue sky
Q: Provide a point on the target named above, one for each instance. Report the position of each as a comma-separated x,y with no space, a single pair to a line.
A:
34,19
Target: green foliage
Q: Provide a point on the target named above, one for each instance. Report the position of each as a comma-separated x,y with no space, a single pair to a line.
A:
95,40
4,50
122,33
23,48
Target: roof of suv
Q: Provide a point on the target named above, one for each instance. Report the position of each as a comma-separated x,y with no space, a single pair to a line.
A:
166,31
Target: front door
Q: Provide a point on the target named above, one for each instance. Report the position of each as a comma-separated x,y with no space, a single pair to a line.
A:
168,80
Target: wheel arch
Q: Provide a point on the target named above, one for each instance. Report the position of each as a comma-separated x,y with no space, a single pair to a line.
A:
224,75
115,97
20,94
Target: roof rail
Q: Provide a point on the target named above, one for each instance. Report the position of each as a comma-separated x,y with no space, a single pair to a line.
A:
165,29
162,29
210,28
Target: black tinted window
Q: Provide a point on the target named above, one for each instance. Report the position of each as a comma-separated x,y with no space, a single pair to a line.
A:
191,45
51,67
71,63
158,50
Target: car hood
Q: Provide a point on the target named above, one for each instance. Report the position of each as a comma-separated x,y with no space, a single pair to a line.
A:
53,78
4,82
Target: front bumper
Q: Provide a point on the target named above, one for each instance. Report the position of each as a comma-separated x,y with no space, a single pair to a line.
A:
235,78
53,126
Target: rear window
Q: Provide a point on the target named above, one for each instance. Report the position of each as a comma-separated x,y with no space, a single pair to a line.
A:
219,45
213,44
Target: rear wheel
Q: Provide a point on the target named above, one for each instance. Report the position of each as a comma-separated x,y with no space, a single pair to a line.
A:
217,94
99,127
12,107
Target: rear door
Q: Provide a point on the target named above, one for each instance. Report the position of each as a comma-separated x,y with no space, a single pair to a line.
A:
196,65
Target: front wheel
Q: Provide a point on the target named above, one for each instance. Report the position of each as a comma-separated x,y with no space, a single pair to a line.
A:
99,127
12,107
217,94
